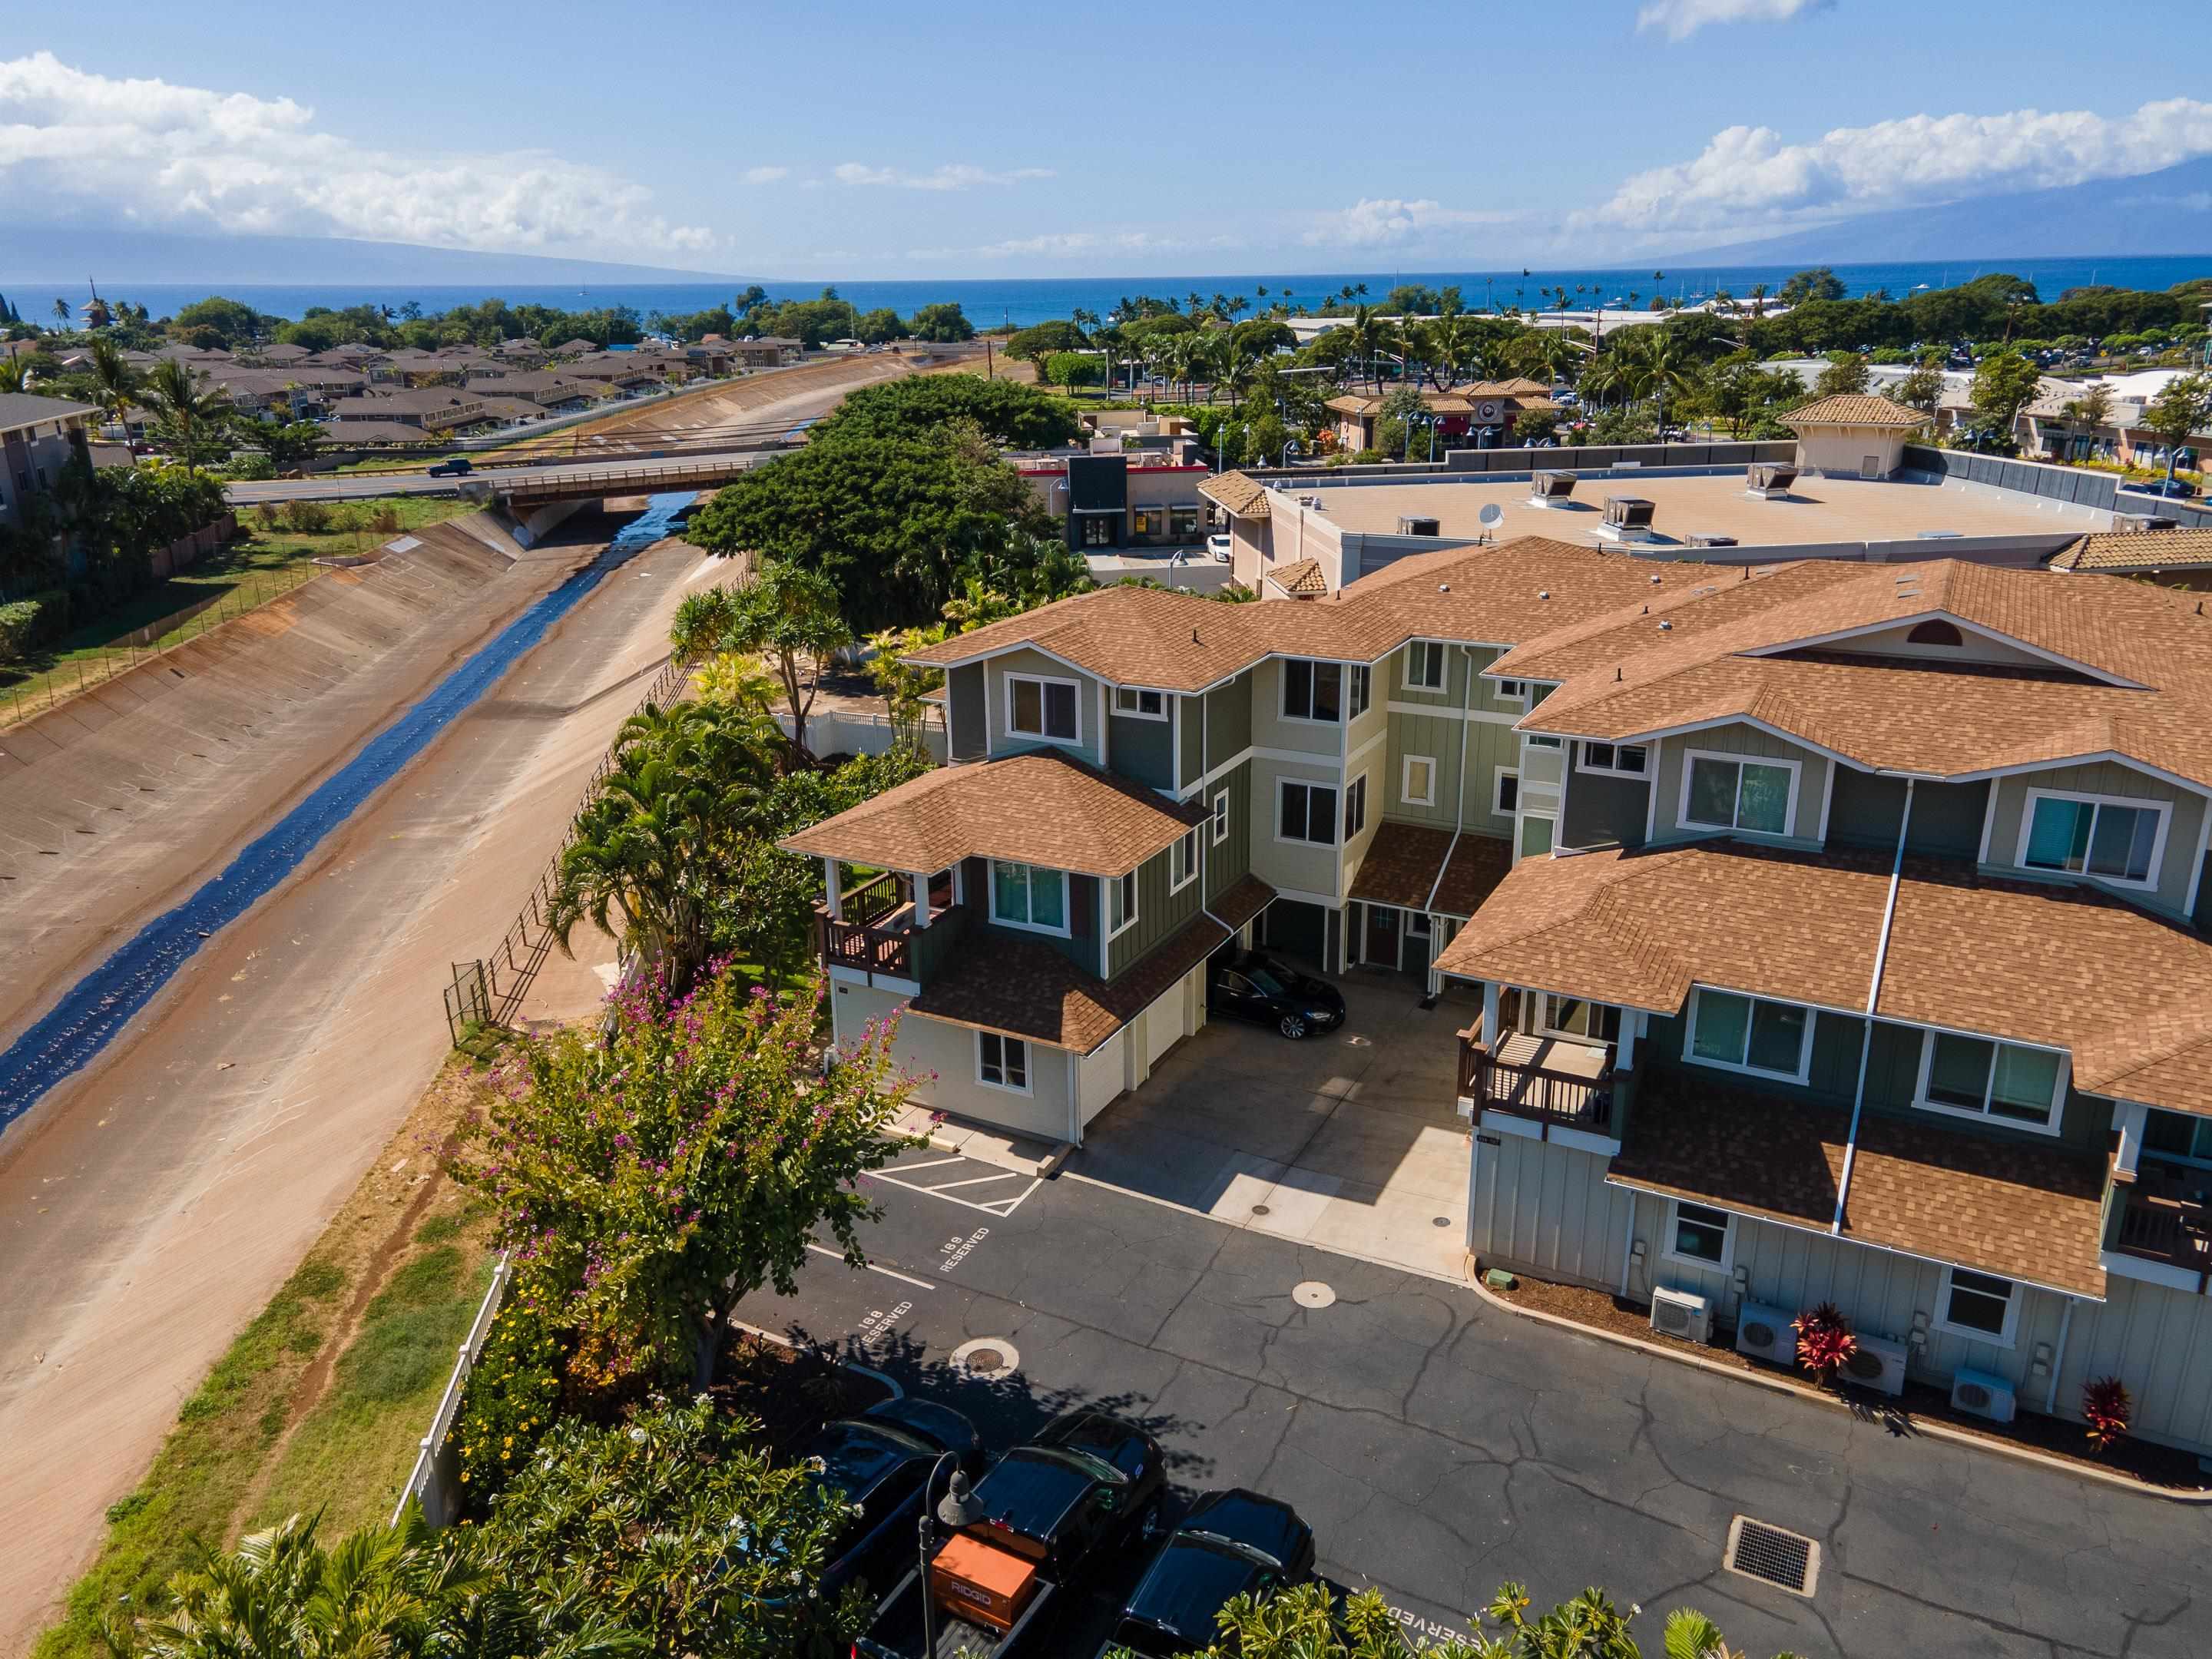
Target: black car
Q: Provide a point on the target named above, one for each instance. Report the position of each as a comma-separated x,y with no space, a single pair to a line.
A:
1232,1543
453,466
2173,489
881,1460
1087,1479
1248,985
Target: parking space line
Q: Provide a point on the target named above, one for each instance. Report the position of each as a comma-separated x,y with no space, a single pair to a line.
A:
1000,1207
927,1164
977,1181
904,1279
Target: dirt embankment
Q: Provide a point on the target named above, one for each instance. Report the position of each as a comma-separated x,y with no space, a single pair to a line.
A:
698,413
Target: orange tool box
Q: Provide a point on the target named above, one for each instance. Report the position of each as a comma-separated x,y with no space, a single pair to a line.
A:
980,1582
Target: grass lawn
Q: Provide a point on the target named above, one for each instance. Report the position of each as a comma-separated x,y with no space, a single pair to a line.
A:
321,1399
264,562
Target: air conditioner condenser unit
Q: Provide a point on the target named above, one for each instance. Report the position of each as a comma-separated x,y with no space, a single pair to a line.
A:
1682,1313
1983,1395
1766,1333
1879,1364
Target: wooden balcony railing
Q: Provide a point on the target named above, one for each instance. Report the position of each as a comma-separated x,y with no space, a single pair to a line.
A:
871,950
2155,1228
1514,1082
872,900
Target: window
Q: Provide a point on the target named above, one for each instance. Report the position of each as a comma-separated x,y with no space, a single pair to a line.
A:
1618,760
1984,1078
1360,676
1220,818
1744,1034
1510,690
1935,631
1182,863
1542,740
1002,1062
1574,1016
1145,705
1023,896
1182,523
1417,780
1120,903
1977,1305
1042,708
1143,521
1307,812
1700,1235
2094,835
2177,1134
1505,792
1355,807
1536,832
1313,690
1424,666
1721,792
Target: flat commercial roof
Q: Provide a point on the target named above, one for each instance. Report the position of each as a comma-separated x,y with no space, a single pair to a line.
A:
1818,510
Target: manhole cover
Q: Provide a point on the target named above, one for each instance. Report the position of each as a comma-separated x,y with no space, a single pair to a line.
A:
1262,1209
1312,1294
1441,1221
986,1356
1772,1556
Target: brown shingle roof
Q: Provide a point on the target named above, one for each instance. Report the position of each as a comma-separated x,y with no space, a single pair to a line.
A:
2147,550
1041,809
2130,995
2023,1211
1853,409
1402,864
998,982
1237,493
1304,577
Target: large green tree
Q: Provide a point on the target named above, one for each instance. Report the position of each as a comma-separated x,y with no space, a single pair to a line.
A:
788,614
648,1181
942,322
1004,411
2182,409
2005,384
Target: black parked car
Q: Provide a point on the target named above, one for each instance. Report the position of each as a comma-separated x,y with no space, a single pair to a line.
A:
1232,1543
453,466
1251,985
2174,489
881,1460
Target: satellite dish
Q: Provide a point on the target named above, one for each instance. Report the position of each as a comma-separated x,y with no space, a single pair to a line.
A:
1491,515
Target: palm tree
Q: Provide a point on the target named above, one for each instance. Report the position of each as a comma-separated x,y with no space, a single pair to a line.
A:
62,312
1757,292
15,375
115,380
193,412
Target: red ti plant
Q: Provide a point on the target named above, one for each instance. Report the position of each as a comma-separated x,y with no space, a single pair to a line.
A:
1825,1342
2105,1402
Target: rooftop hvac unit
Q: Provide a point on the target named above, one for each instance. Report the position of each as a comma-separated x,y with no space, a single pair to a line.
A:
2136,524
1770,480
1767,1334
1549,485
1983,1395
1710,538
1879,1364
1681,1313
1629,511
1413,524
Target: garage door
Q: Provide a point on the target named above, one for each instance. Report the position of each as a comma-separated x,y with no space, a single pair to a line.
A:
1297,928
1163,1026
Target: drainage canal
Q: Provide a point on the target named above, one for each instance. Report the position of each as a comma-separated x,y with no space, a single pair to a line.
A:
89,1014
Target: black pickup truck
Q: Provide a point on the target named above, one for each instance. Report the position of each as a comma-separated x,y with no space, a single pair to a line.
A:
1232,1543
1050,1513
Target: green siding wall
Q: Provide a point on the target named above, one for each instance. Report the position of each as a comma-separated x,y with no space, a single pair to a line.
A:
1229,720
1947,817
1141,751
1159,913
1231,861
2184,823
1190,713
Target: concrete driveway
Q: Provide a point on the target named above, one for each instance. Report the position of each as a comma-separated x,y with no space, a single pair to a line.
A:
1350,1141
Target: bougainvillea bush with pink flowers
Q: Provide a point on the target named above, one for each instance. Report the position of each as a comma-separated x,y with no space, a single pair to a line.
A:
647,1181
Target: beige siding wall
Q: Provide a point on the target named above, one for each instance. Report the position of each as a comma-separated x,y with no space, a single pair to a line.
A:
1089,695
2185,824
1287,865
1545,1210
1271,730
1490,745
2157,1341
924,1046
1748,740
1098,1075
1227,726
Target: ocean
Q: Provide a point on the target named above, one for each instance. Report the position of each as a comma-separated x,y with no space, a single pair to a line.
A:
1023,301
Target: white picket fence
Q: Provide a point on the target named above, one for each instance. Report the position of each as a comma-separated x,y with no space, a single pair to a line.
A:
436,1477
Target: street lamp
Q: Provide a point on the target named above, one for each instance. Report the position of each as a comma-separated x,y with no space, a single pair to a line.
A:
958,1508
1289,444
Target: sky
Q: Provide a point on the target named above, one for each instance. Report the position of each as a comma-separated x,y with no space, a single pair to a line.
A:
973,139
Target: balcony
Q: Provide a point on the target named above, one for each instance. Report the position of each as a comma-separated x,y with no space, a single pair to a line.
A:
876,934
1556,1083
2164,1217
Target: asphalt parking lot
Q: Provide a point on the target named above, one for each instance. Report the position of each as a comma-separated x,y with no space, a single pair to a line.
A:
1440,1446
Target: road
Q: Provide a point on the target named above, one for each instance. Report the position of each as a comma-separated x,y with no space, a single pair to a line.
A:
639,474
1441,1445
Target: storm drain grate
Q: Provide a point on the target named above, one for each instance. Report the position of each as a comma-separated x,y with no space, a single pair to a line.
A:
1772,1556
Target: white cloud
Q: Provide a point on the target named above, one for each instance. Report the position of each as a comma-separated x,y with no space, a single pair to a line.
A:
1383,221
151,153
954,176
1684,18
1057,245
1748,177
766,175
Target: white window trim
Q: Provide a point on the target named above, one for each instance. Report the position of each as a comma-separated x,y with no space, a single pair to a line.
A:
1112,885
2164,808
1542,740
1343,693
1334,822
1699,1263
1692,1057
1520,824
2004,1339
1929,1034
1028,1064
1066,931
1196,842
1140,692
1691,757
1544,1027
1582,763
1040,681
1498,776
1362,675
1514,691
1220,817
1443,666
1406,795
